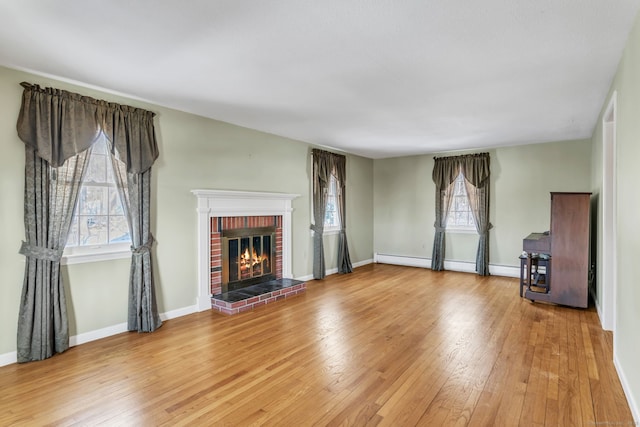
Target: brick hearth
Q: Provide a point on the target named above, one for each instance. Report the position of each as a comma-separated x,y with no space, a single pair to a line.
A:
248,298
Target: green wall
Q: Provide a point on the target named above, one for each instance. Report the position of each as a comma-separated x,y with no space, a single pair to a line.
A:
195,153
521,179
627,317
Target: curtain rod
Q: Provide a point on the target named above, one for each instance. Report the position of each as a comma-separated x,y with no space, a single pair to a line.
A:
462,155
34,87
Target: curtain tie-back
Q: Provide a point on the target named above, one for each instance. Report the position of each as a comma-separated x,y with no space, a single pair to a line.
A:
143,249
486,230
317,229
440,229
40,252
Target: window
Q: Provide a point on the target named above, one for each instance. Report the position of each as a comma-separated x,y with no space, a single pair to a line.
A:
331,217
99,228
460,217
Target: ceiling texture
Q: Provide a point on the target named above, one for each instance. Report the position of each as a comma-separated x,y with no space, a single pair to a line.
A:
377,78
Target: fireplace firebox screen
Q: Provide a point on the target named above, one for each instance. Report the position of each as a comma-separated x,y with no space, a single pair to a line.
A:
248,257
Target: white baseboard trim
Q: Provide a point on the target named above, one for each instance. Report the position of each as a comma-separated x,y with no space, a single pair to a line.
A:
631,400
179,312
504,270
354,265
97,334
204,303
8,358
335,270
361,263
599,311
408,261
12,357
461,266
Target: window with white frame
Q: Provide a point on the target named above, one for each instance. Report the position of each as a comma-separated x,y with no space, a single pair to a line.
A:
331,217
99,228
460,217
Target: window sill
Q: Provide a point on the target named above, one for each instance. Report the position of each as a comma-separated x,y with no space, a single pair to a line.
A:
462,230
328,231
95,254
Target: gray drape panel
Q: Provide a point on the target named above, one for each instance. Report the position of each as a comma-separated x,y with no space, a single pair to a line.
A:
322,165
325,164
476,170
340,168
55,126
49,198
445,171
135,194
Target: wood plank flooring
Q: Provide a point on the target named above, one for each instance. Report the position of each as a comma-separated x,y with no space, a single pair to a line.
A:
386,345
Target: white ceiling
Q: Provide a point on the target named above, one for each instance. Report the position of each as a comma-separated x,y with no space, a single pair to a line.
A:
378,78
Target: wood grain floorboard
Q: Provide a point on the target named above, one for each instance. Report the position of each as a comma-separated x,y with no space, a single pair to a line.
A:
386,345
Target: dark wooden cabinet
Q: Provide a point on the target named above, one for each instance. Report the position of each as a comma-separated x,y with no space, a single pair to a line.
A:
569,240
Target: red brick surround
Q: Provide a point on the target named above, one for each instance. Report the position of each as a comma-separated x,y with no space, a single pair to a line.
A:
218,224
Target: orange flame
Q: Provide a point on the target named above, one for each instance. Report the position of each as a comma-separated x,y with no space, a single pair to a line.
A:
248,260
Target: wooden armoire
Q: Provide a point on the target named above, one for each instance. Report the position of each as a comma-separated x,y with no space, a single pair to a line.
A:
568,242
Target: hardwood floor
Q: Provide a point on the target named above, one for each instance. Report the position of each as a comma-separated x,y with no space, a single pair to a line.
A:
386,345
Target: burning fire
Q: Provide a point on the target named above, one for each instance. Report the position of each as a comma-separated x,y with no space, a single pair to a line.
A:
248,260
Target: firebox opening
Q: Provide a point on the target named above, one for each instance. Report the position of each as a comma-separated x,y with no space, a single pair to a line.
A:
248,257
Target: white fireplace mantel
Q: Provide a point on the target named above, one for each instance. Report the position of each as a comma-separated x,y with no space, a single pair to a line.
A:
221,203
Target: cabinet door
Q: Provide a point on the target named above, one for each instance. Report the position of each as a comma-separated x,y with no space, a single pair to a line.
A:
570,248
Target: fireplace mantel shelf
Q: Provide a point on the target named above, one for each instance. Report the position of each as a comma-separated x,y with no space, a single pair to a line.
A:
234,194
229,202
221,203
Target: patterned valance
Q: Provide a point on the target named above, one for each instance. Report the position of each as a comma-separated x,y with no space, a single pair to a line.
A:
58,125
475,168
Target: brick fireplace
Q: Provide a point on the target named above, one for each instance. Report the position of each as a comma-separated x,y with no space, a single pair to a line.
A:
219,246
220,210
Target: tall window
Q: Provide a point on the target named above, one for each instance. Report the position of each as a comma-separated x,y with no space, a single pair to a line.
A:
99,223
460,217
331,217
